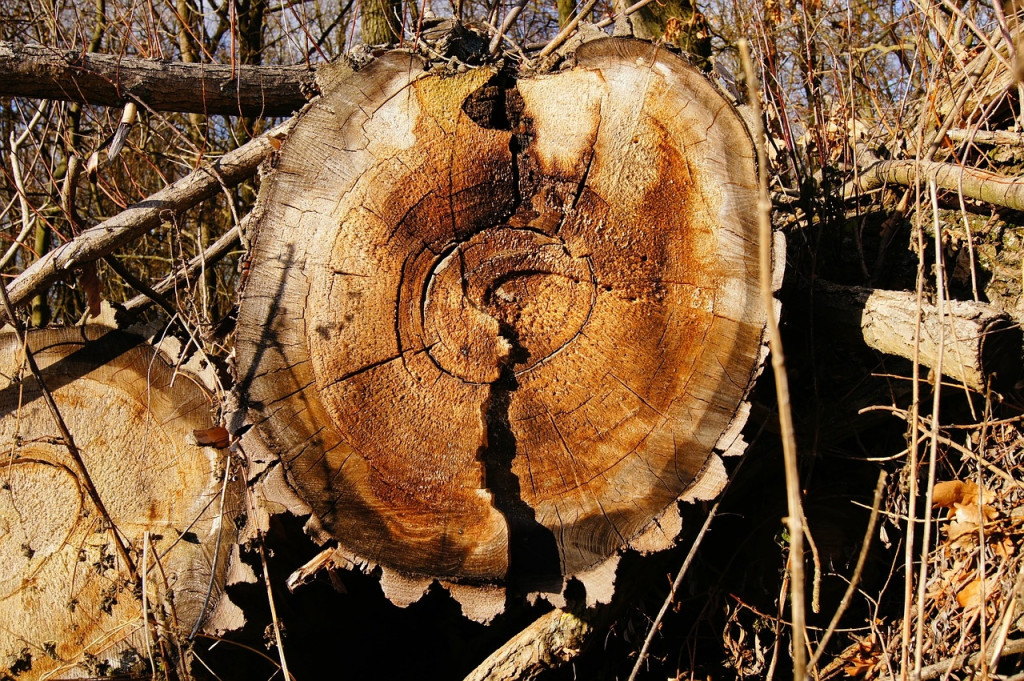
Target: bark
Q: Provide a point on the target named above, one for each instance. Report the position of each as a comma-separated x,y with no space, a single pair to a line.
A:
548,643
65,597
495,328
1000,190
108,80
106,237
979,342
382,22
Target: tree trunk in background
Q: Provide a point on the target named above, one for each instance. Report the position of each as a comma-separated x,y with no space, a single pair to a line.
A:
566,9
457,338
679,22
382,22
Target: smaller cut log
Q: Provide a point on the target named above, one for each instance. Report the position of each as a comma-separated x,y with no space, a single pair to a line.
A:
978,342
68,605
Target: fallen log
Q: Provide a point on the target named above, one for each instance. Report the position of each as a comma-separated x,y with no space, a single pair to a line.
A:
979,343
43,72
497,326
982,185
68,604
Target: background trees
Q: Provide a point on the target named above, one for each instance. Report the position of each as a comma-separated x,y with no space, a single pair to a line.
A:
845,84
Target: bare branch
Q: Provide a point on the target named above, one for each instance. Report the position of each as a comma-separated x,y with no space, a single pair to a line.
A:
107,80
106,237
993,188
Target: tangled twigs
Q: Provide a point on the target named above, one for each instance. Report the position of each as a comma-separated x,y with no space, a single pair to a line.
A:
103,239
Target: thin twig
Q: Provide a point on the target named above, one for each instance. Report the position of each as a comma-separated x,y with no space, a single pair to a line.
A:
214,253
656,624
139,285
794,505
273,611
608,21
568,30
934,447
510,19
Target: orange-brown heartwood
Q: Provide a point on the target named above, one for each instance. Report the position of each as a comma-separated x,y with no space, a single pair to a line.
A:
496,325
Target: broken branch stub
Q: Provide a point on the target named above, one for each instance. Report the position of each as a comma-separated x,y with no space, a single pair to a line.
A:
68,604
495,326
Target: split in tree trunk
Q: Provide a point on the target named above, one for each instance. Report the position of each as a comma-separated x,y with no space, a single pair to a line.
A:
496,327
67,602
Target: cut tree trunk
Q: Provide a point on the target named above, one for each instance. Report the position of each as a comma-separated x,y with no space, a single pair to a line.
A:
68,604
495,327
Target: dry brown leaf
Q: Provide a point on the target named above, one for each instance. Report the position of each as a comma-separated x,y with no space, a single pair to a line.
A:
950,493
217,437
89,280
970,595
947,493
864,659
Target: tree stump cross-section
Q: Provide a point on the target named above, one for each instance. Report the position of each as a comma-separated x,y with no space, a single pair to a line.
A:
496,326
68,605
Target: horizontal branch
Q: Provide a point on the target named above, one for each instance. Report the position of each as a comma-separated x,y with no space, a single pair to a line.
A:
108,236
999,190
979,342
987,137
107,80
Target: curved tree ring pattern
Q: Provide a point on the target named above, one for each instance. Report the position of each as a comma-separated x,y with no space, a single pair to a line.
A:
495,327
68,605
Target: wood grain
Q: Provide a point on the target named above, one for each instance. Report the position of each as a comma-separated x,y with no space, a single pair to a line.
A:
494,325
66,604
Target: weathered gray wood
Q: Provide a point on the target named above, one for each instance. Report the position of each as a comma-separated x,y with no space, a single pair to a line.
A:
109,80
979,342
495,330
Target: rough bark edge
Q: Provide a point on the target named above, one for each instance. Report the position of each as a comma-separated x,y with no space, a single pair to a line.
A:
981,344
41,72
